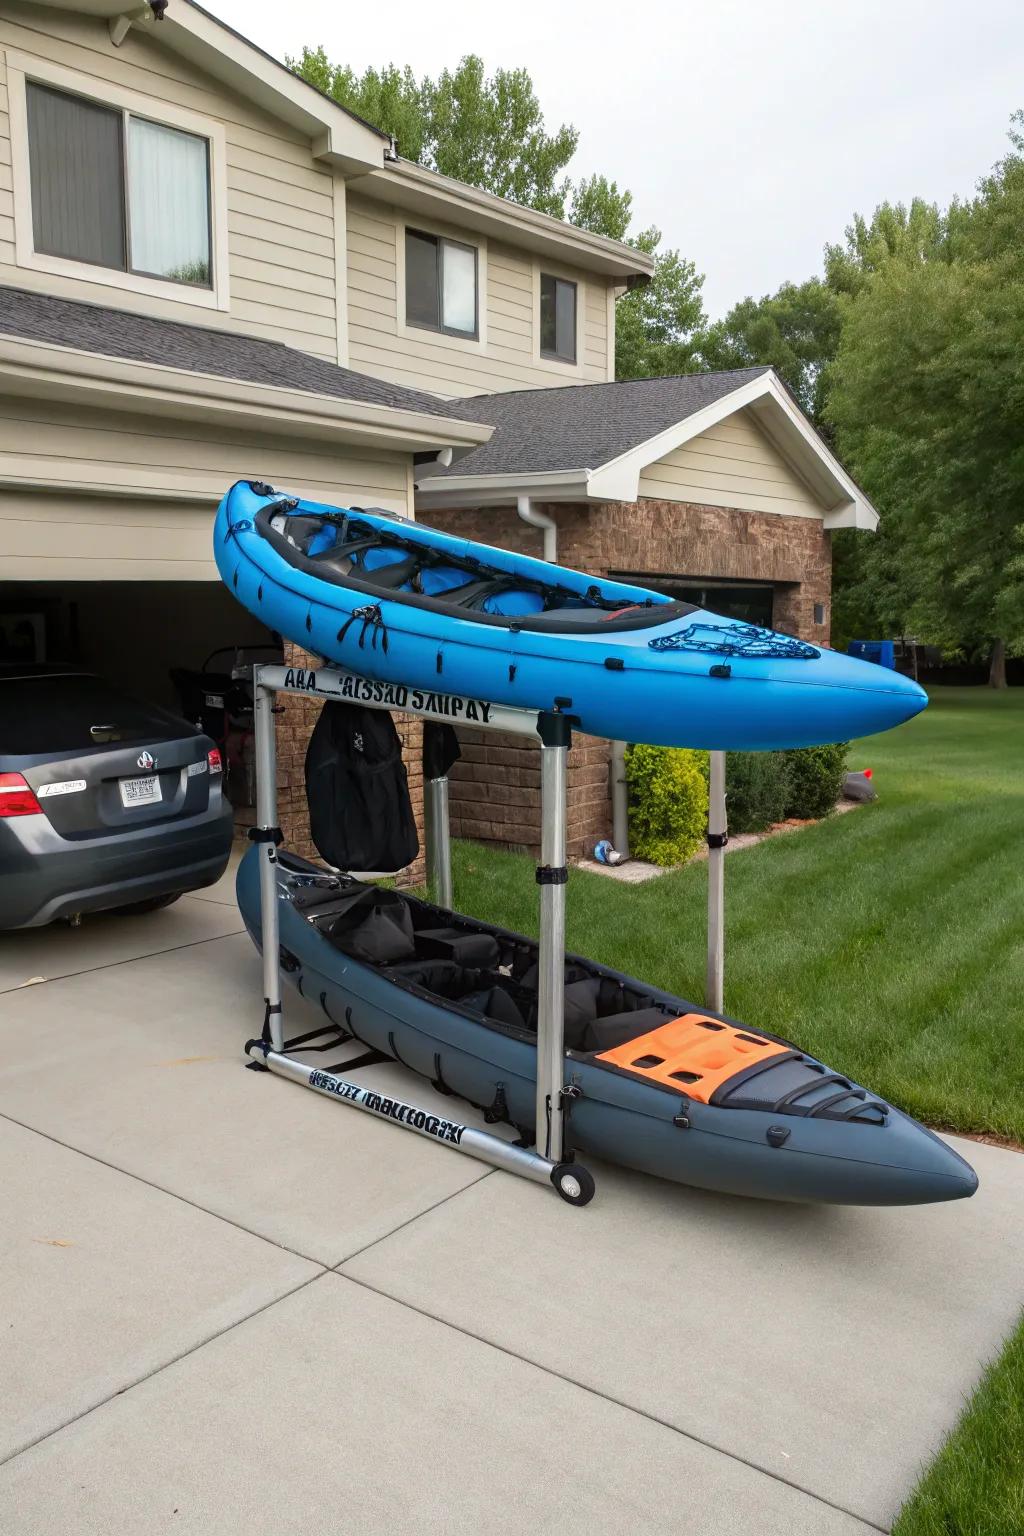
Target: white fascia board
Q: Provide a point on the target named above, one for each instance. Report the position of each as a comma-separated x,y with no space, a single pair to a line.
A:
843,503
437,491
218,50
407,185
85,378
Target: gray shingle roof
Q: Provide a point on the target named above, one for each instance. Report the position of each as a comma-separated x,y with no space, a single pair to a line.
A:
199,349
581,426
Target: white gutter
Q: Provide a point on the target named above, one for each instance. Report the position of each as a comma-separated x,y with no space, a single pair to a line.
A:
546,524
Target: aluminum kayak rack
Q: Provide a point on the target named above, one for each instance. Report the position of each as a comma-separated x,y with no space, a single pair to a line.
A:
545,1162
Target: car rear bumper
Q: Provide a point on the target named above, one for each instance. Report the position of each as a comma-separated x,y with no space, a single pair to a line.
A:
44,876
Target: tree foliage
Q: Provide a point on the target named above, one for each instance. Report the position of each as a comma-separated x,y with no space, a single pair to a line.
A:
927,402
487,131
795,331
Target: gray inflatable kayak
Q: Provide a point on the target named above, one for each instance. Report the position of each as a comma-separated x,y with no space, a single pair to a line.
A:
661,1084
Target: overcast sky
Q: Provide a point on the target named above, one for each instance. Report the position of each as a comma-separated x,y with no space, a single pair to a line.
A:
748,131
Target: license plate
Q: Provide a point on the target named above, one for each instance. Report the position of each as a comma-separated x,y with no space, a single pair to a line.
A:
140,791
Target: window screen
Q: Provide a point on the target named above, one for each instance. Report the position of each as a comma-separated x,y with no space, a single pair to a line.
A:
557,318
440,284
76,170
459,299
168,202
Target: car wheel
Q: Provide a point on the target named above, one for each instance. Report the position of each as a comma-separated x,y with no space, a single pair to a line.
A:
151,904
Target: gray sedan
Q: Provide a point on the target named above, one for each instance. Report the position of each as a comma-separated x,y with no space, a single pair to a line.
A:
106,803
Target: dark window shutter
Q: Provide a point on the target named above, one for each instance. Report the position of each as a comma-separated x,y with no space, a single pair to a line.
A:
422,280
547,313
76,169
565,321
557,318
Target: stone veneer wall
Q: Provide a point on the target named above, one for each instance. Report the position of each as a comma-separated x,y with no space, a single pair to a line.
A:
495,789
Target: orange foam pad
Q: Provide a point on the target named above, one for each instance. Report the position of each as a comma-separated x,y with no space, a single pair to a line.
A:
704,1053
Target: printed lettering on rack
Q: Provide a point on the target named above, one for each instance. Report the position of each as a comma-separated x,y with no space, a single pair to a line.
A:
364,690
300,677
391,1109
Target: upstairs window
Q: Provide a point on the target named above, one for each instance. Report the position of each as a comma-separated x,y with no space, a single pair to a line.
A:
557,318
440,284
113,189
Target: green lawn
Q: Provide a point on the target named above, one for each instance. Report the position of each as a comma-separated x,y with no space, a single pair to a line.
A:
889,941
975,1486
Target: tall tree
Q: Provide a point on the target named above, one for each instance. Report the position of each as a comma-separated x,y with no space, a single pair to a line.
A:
795,331
487,131
391,99
893,233
927,402
491,133
658,325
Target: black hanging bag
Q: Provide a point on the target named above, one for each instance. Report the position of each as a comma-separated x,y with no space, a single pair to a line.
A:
360,814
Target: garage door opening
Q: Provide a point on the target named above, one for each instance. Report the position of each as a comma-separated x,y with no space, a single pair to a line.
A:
186,646
751,602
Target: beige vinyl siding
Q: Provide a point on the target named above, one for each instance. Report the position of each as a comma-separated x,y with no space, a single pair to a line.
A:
731,465
177,472
280,202
505,357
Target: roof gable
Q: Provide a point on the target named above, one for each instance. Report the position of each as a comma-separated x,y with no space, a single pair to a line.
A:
593,441
338,136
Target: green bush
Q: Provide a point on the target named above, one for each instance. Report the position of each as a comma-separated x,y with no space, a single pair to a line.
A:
815,780
668,802
757,786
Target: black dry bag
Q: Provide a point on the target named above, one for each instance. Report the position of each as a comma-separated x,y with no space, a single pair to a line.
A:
360,814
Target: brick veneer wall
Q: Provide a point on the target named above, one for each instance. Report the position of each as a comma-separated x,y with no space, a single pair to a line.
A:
495,789
294,728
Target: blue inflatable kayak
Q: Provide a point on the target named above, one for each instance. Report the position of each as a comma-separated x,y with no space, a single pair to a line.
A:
396,601
662,1085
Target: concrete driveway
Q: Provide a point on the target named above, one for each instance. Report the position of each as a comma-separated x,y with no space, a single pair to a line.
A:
230,1306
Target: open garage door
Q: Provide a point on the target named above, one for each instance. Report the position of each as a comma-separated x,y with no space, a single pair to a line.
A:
172,643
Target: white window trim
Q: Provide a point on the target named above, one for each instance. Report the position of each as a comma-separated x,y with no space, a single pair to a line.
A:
559,365
423,333
22,66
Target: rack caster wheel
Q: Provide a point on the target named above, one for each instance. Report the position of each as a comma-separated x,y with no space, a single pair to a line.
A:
573,1182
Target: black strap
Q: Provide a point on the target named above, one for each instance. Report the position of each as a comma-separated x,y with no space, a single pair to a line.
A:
271,1009
266,835
550,874
373,620
717,839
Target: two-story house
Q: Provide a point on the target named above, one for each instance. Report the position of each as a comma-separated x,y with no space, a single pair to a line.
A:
208,269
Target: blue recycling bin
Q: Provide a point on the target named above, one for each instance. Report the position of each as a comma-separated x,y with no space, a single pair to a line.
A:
881,652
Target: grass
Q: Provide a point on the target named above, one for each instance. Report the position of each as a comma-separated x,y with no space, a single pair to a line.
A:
890,941
975,1486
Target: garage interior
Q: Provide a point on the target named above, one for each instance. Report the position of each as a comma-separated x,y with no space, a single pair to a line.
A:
171,643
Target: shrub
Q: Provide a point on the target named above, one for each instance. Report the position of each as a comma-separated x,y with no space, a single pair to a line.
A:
757,786
668,802
815,780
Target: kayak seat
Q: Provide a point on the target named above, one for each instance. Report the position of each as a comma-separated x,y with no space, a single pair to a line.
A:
485,991
453,944
616,1028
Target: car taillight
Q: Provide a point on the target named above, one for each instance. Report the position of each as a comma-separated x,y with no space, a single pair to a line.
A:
16,799
213,758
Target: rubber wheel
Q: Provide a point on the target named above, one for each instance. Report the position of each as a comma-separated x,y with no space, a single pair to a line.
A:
573,1182
151,904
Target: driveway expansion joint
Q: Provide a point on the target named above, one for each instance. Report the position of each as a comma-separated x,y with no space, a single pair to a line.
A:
162,1189
616,1402
184,1354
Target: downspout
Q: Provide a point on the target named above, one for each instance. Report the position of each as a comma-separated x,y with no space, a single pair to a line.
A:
546,524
